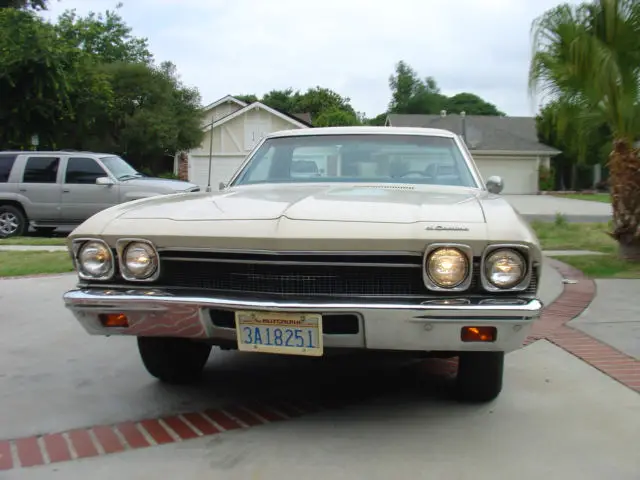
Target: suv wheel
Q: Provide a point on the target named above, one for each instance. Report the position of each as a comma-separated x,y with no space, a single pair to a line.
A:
13,223
173,360
479,376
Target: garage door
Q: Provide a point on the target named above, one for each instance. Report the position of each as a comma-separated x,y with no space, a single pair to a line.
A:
222,168
520,175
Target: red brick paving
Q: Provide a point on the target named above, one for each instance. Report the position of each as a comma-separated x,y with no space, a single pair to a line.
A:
552,326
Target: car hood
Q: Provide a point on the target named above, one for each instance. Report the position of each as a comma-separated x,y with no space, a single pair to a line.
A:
166,184
349,203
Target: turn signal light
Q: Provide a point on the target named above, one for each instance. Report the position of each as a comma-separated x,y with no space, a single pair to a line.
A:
111,320
479,334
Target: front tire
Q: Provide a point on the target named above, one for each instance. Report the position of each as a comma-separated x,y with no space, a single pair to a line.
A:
175,361
479,376
13,222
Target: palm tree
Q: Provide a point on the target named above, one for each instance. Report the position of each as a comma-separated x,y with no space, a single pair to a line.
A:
586,58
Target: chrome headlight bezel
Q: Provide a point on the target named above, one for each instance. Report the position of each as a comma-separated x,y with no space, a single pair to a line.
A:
466,250
122,245
523,251
78,245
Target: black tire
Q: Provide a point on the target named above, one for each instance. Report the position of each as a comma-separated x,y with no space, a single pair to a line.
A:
9,213
479,376
176,361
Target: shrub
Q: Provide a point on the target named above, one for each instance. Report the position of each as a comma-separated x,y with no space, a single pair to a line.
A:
546,178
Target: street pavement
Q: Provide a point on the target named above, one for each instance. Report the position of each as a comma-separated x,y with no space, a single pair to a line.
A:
556,418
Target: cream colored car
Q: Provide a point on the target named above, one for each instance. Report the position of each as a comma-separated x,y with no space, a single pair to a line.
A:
393,243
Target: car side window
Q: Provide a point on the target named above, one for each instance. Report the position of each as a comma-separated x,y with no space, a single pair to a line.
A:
6,164
41,170
83,171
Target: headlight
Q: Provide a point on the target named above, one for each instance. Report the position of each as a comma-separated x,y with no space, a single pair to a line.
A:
95,261
140,261
505,268
447,267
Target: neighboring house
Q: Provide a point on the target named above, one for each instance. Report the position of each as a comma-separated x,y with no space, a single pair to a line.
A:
237,127
504,146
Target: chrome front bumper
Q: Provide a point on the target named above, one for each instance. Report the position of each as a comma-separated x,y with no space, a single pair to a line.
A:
430,325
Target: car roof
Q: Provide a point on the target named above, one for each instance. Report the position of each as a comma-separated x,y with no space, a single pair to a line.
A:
54,152
363,131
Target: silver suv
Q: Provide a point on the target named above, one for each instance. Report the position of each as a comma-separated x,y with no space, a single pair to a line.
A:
48,190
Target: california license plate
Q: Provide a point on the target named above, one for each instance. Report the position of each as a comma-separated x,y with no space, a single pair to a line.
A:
284,333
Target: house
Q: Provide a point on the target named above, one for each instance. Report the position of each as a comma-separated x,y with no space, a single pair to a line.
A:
232,129
503,146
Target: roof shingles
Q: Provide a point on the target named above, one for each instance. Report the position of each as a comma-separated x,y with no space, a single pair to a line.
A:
483,132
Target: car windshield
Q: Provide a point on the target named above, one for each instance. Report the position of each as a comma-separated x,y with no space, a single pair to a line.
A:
417,159
120,168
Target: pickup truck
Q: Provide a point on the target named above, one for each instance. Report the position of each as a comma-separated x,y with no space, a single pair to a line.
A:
49,190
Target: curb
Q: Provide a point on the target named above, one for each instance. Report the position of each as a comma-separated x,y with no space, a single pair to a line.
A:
102,440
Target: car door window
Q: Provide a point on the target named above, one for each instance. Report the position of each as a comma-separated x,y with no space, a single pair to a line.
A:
41,170
6,164
82,170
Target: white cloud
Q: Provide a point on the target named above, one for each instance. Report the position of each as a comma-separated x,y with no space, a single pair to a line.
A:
351,46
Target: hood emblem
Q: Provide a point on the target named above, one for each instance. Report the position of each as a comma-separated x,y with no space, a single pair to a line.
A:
448,228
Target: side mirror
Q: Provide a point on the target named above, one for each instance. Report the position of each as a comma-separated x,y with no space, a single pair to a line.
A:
495,184
221,186
104,181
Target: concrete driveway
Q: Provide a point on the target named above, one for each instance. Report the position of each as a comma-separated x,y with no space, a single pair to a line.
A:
545,207
554,419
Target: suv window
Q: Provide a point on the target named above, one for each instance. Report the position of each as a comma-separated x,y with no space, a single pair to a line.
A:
6,164
41,170
83,170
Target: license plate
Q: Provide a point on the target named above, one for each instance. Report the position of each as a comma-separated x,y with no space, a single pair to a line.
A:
284,333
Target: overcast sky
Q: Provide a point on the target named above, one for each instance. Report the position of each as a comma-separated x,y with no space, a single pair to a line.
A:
351,46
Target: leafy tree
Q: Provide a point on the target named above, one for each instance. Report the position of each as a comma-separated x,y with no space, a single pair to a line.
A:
246,98
576,151
87,83
471,104
377,121
316,101
24,4
586,59
336,117
283,100
34,81
104,36
412,95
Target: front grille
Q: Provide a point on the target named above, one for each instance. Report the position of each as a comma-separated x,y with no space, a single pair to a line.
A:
317,276
299,275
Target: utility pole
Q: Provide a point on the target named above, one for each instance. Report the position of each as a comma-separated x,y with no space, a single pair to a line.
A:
210,154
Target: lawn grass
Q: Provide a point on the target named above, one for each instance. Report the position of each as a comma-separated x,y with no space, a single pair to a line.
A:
575,236
602,266
32,241
14,264
586,236
593,197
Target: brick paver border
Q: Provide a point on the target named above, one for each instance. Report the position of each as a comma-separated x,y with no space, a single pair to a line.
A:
106,439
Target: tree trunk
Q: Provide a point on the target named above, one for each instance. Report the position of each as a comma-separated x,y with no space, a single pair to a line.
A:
624,180
183,166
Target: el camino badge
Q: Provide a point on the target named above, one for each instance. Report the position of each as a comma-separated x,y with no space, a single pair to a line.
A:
447,228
